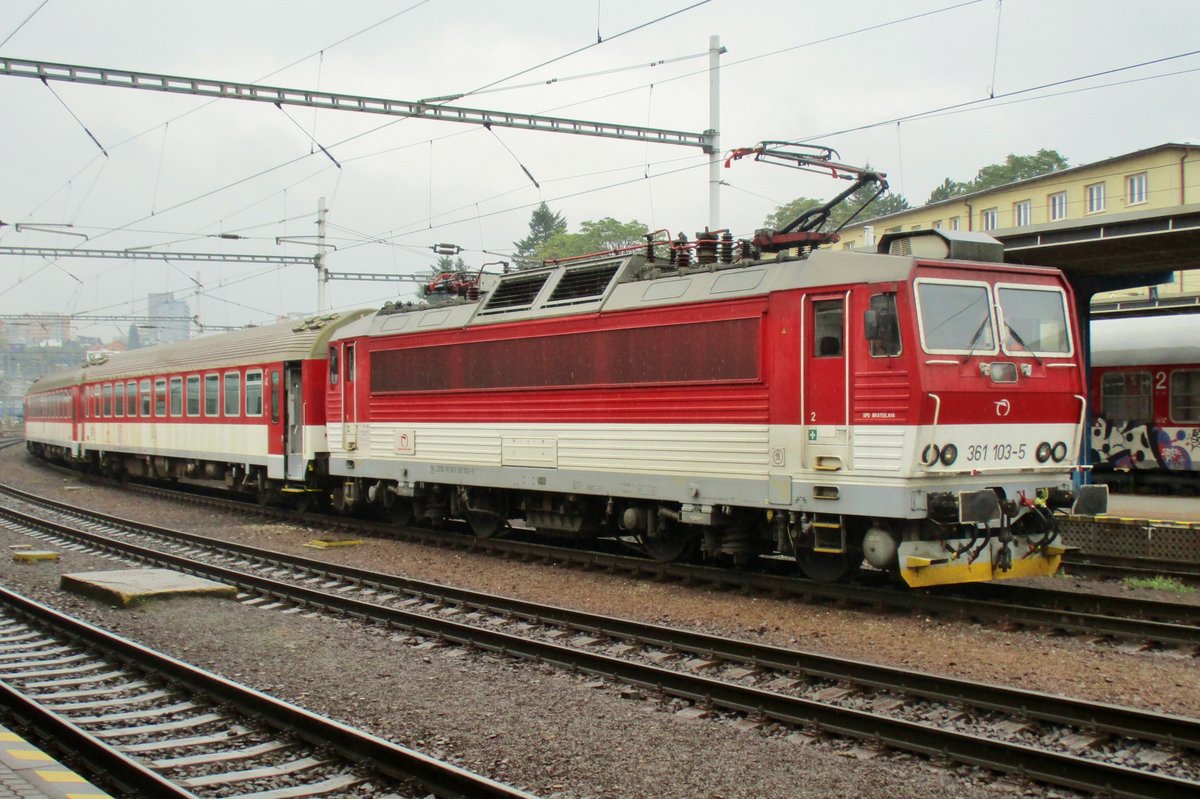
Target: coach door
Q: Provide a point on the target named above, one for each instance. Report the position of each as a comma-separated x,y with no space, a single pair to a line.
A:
349,398
825,382
293,423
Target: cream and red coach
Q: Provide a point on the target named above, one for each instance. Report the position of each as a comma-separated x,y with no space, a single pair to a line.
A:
245,407
920,409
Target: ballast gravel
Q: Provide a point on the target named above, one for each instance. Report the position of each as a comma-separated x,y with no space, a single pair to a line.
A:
570,736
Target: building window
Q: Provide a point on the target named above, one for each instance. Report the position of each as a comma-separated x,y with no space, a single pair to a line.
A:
989,219
1135,189
1022,213
937,224
954,223
1057,205
895,229
1095,198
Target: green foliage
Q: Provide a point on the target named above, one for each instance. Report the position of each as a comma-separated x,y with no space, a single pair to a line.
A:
544,224
593,236
1158,583
1014,168
885,204
784,214
448,263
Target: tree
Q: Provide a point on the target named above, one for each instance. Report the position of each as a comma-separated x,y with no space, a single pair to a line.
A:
134,341
447,263
884,204
784,214
1014,168
593,236
544,224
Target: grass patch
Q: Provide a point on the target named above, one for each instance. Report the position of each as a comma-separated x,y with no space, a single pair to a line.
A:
1158,583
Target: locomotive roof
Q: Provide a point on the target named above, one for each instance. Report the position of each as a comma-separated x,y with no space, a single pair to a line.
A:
626,282
285,341
1146,340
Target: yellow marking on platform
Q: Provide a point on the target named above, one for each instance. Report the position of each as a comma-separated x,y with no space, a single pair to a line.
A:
60,776
32,555
326,543
11,736
31,755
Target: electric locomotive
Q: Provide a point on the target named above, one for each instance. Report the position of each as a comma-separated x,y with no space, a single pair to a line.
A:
921,407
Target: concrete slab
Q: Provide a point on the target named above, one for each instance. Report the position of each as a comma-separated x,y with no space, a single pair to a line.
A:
128,586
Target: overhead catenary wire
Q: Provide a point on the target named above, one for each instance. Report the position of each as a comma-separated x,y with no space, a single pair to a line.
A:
24,22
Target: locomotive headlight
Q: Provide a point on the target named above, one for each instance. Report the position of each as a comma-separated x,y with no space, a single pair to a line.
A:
1060,451
949,454
1043,452
929,456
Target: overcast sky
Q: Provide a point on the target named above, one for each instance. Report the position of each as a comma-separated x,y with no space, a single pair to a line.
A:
180,170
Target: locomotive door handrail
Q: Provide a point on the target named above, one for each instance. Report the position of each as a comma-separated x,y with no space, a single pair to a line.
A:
937,414
1080,428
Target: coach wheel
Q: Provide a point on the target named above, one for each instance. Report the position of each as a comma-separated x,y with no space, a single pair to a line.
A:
669,543
827,567
268,496
400,512
483,515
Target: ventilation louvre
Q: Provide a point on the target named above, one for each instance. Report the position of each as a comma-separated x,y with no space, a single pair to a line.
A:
515,292
583,284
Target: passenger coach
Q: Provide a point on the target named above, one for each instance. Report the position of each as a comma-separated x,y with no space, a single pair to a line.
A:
245,408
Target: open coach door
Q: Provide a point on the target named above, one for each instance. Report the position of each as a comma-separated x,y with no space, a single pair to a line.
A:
293,424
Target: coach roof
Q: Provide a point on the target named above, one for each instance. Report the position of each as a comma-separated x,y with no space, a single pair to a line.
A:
286,341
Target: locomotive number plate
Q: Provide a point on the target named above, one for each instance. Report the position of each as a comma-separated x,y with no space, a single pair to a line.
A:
994,453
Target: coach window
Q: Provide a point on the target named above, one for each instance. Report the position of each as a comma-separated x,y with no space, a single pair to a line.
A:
96,401
212,395
145,389
274,396
882,326
108,395
333,366
1185,395
119,399
131,393
177,396
254,393
193,395
1125,397
87,402
827,329
233,393
160,396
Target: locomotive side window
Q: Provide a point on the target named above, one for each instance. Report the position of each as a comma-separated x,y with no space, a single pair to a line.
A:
1125,396
827,329
119,400
349,364
108,399
177,396
193,395
160,396
955,317
212,395
145,387
131,392
233,393
882,326
254,393
1034,320
1185,395
333,366
274,396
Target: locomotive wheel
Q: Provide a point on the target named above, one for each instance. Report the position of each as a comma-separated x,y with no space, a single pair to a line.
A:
674,544
826,567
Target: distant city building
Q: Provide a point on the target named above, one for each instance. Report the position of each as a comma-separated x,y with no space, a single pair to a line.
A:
172,321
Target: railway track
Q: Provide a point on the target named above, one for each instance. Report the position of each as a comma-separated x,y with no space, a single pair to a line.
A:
1057,740
1148,622
1122,568
158,727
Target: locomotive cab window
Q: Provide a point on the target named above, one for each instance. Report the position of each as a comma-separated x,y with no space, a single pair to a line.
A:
1033,320
1126,396
827,329
212,395
955,317
881,325
254,387
1185,395
233,393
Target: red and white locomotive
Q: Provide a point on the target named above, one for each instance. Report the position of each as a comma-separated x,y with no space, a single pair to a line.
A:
921,407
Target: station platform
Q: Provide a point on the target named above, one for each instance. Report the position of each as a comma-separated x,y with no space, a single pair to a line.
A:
26,772
1148,507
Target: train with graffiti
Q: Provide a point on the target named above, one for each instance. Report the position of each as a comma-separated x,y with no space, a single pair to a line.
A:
1146,402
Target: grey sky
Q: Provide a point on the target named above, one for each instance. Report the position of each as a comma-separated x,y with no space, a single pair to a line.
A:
417,183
